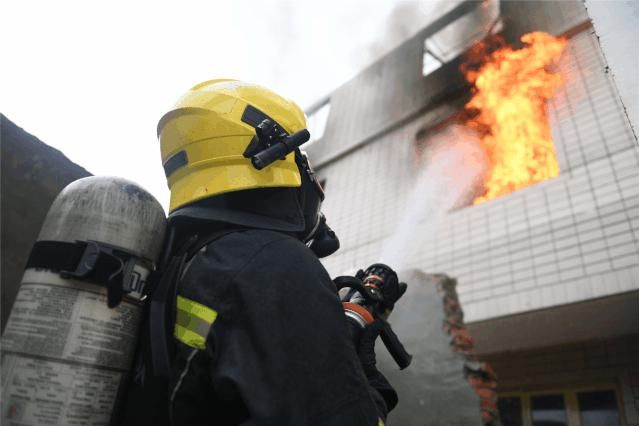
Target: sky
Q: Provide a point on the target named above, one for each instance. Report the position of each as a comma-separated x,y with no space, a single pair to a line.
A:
93,78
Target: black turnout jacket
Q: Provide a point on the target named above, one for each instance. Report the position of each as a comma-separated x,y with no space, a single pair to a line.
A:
262,339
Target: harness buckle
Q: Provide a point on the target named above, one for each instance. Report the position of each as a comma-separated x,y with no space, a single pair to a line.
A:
87,263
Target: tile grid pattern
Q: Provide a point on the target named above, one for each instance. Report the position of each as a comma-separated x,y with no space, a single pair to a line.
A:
567,239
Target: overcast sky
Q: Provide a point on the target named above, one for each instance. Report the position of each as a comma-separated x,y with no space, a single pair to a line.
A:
92,78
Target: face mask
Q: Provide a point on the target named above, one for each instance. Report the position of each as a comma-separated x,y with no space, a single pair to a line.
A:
318,236
323,241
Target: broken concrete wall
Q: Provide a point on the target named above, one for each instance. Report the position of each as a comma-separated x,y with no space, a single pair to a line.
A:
445,384
31,176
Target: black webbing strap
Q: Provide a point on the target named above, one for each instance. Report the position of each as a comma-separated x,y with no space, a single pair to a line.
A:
82,259
161,312
158,329
56,255
91,261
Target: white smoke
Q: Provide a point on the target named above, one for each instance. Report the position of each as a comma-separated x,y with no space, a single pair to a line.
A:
404,20
451,175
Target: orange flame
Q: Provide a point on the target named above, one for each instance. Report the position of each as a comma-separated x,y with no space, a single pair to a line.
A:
511,88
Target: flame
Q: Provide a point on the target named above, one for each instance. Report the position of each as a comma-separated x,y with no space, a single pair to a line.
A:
508,109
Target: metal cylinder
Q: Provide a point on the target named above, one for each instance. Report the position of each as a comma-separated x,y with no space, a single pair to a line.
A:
65,354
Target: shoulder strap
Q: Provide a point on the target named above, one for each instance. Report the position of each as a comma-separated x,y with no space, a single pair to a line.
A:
163,298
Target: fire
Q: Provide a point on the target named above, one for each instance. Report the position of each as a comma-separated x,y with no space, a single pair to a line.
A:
508,108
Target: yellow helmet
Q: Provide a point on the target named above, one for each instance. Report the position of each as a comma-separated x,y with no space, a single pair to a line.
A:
208,141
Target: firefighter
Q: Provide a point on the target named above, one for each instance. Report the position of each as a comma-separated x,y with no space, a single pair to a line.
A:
245,323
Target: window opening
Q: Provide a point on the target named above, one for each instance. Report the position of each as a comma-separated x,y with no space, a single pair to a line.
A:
454,39
598,408
323,183
316,122
510,411
589,406
548,410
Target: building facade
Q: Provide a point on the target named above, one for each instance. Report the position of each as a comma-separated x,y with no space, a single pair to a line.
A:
548,276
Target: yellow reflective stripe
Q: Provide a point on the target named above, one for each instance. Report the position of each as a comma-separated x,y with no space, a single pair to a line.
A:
189,338
197,309
380,422
193,321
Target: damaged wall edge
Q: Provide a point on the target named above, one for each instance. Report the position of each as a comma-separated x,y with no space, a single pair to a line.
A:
446,384
621,66
480,375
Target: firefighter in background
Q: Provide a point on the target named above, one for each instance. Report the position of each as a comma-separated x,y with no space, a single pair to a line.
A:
245,323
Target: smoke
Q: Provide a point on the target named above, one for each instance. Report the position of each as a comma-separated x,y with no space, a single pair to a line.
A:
451,175
405,19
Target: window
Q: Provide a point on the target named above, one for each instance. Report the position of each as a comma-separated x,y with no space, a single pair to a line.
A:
459,149
316,122
569,407
322,182
453,40
510,411
598,408
548,410
430,63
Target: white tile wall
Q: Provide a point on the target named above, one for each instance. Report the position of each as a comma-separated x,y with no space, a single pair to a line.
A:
568,239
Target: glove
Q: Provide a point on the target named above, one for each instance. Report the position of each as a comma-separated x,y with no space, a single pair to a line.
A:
392,292
386,279
366,354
